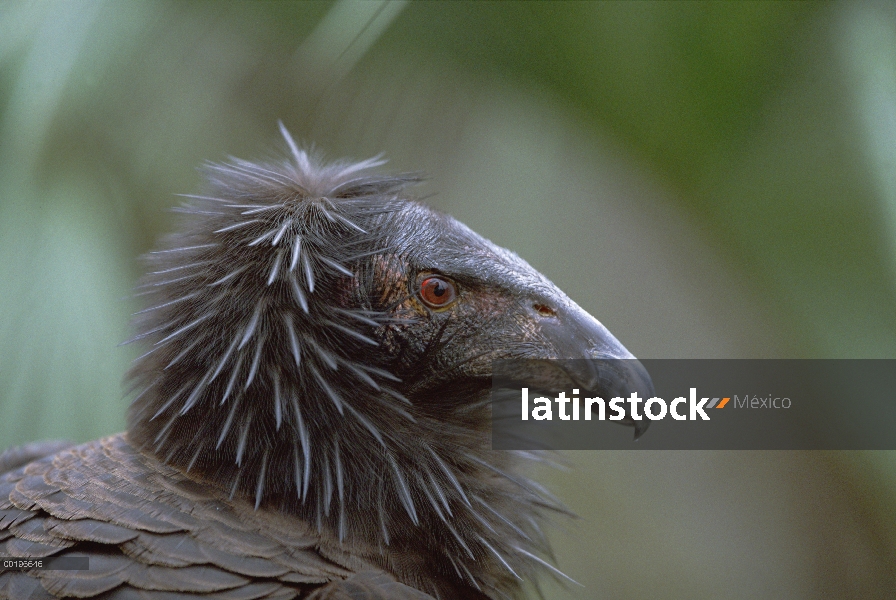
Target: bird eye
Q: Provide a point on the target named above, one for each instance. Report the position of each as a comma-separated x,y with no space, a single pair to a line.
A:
437,292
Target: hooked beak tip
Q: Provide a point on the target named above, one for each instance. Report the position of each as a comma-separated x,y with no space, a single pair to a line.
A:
640,428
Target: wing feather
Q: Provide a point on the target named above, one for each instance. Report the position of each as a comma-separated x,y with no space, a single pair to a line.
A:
152,533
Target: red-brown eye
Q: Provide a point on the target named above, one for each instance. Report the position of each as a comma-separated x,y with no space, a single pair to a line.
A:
437,292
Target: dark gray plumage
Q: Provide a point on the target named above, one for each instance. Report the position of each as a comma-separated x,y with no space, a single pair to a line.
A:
311,417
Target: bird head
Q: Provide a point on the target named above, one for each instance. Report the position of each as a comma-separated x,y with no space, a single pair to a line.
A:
321,343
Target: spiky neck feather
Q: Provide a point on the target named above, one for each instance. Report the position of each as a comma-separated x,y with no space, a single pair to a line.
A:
276,369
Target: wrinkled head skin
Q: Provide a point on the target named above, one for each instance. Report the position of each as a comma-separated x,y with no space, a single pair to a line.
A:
292,359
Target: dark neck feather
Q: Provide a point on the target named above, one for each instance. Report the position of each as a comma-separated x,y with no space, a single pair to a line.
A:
269,374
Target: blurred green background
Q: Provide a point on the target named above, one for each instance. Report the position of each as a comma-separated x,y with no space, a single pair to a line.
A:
709,180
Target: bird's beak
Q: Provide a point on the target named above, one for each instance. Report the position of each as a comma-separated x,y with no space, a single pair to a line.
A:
599,363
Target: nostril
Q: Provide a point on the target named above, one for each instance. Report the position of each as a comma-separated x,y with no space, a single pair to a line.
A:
544,310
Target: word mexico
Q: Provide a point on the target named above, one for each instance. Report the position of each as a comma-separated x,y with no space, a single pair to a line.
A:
654,408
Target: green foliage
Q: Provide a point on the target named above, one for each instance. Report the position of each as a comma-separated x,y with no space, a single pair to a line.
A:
710,179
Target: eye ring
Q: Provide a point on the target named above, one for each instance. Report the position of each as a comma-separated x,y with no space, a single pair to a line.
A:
437,292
